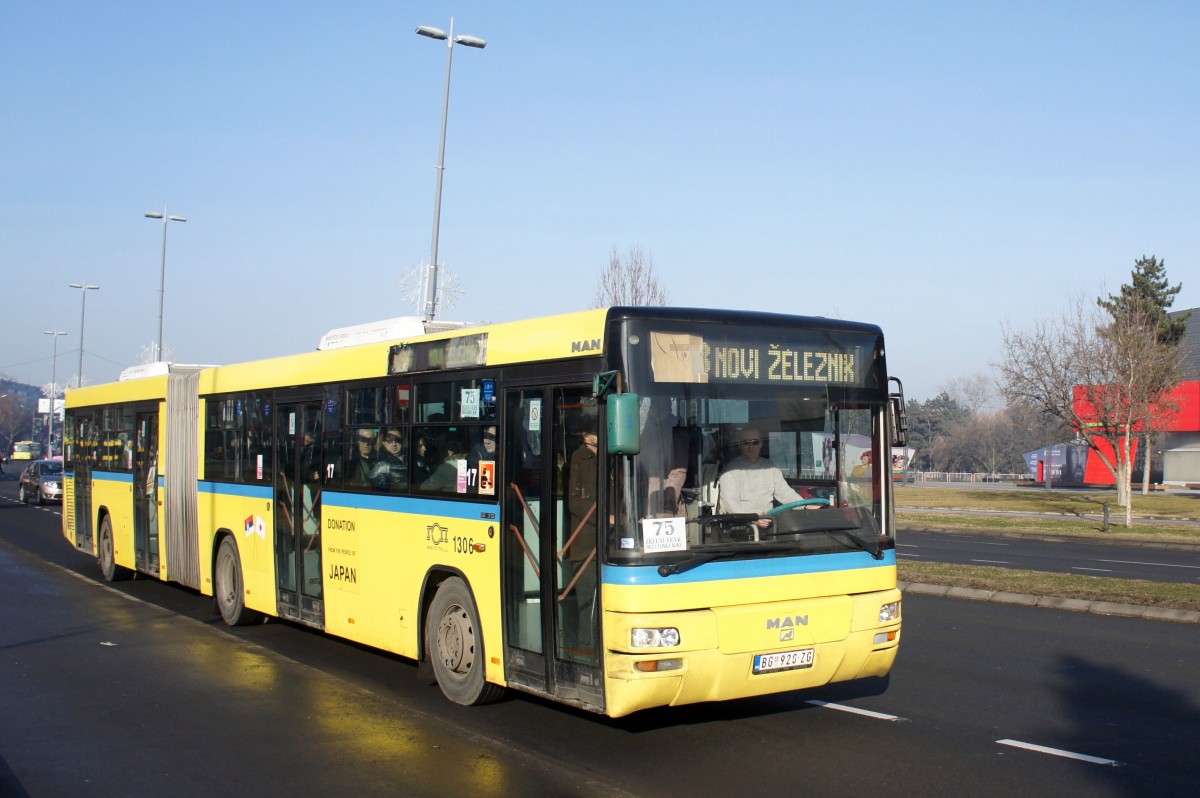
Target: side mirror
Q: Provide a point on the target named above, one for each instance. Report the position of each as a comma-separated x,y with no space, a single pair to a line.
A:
898,414
624,429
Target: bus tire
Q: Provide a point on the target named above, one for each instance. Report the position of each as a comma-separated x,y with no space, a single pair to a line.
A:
228,588
107,557
454,644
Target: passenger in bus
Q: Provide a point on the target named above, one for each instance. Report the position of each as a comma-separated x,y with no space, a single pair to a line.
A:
750,482
422,465
579,549
485,449
663,456
362,461
445,477
311,528
391,472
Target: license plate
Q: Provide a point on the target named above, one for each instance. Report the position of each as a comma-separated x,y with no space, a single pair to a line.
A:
783,660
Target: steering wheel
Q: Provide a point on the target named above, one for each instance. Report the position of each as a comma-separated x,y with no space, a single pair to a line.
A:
818,502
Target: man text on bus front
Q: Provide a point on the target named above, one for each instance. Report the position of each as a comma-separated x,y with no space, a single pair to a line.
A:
750,482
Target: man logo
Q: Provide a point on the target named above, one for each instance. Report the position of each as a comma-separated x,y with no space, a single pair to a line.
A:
586,346
787,634
787,622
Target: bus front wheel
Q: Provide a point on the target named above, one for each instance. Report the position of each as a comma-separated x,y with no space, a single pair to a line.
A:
454,643
228,588
107,557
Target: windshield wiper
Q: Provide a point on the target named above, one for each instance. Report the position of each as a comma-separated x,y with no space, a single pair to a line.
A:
855,542
720,554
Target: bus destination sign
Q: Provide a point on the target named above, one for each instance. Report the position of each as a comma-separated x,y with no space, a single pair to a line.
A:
681,357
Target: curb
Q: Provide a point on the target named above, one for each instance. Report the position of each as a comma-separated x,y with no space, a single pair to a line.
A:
1050,602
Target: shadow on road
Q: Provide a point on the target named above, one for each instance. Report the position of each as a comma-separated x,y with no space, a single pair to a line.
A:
1098,698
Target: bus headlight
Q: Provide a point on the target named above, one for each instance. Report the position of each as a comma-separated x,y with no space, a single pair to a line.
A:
667,637
889,612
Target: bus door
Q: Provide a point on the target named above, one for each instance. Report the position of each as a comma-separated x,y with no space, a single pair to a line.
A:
299,476
82,460
145,493
551,585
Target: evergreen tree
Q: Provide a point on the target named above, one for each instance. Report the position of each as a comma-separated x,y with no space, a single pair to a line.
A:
1151,292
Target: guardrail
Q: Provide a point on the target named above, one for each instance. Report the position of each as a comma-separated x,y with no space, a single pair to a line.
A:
914,477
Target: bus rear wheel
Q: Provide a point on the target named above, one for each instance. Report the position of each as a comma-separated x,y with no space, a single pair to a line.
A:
454,643
107,557
228,589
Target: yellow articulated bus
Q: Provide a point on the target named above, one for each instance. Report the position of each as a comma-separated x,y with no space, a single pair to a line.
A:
618,509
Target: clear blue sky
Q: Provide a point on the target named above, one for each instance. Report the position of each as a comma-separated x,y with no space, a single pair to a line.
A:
937,168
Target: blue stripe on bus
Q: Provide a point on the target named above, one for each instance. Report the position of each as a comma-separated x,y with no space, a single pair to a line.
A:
745,569
468,511
112,476
234,489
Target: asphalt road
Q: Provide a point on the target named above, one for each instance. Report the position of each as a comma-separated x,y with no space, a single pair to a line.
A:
986,699
1088,557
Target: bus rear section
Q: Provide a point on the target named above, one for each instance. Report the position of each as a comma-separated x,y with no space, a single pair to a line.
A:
26,450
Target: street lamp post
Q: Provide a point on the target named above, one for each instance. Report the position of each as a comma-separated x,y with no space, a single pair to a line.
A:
451,40
162,275
83,288
53,385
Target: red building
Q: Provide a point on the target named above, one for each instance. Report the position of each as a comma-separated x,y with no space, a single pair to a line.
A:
1178,420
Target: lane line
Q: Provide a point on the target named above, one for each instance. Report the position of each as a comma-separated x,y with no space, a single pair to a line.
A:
1042,749
1158,564
996,562
856,711
1098,570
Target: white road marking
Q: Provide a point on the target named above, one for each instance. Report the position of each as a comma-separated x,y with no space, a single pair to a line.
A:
1042,749
856,711
1100,570
995,562
1159,564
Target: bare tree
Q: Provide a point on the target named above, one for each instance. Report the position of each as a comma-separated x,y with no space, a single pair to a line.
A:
15,421
631,281
973,392
1101,375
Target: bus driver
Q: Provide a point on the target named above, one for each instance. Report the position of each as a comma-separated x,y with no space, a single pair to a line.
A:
750,482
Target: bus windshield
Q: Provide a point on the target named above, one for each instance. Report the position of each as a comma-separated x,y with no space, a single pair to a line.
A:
745,464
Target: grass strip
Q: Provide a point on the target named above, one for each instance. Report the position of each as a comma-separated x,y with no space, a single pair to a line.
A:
1039,500
1064,527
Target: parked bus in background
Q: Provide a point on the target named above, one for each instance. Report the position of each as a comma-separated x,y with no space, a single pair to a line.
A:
26,450
538,505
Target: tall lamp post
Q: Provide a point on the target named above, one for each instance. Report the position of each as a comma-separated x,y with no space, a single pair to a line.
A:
162,275
451,40
53,385
83,288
